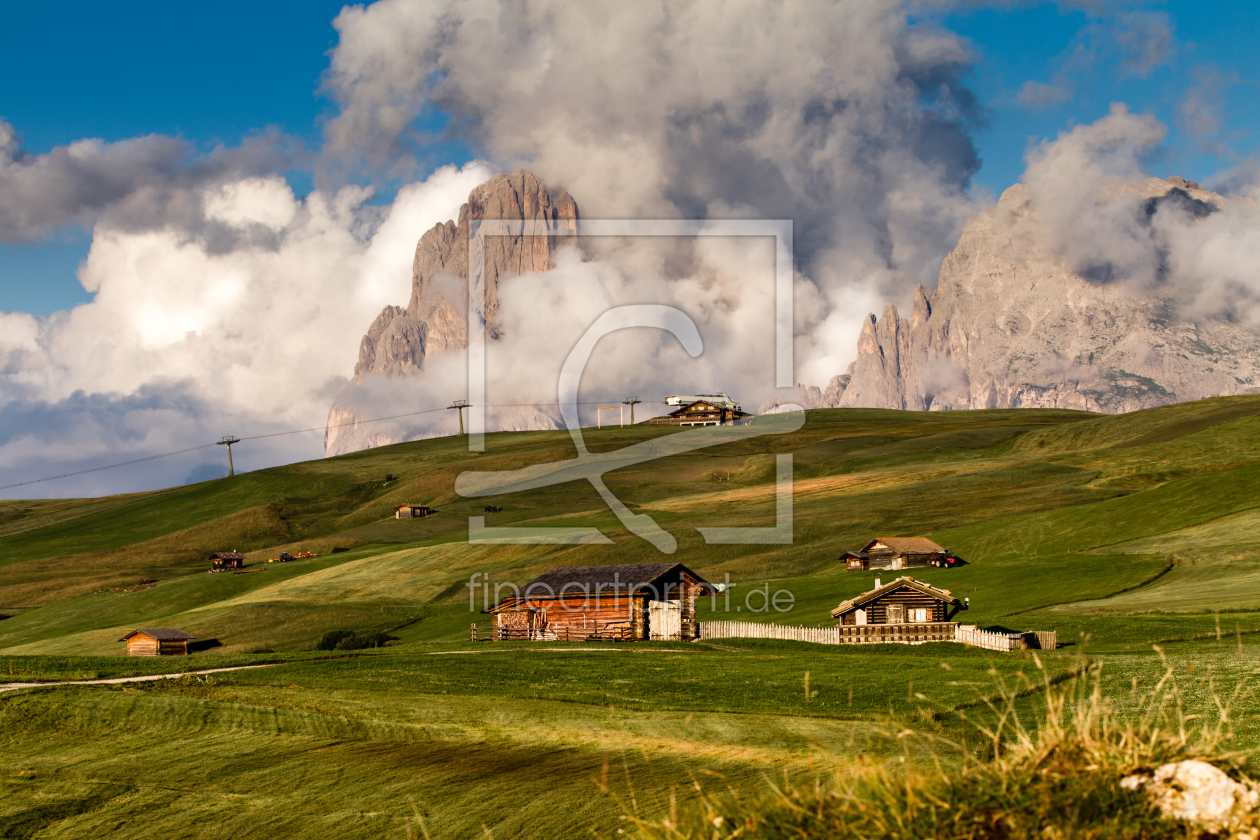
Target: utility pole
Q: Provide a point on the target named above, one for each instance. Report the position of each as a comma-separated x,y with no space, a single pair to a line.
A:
460,405
632,402
228,441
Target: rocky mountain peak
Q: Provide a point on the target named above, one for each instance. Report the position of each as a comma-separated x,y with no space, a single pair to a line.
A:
1012,324
434,321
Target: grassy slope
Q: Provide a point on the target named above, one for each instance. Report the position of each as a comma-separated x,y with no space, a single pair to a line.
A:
1069,521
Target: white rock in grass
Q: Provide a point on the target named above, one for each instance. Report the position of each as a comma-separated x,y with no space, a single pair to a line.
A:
1201,794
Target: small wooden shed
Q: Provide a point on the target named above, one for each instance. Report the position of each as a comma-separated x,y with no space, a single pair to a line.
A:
624,602
223,560
157,641
896,553
412,511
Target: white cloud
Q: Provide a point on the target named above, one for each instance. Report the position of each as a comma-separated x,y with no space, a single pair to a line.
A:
811,111
1200,252
260,336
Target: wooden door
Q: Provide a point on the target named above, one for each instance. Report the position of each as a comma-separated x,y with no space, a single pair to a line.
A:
665,621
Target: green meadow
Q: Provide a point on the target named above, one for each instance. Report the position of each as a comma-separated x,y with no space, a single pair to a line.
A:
1135,537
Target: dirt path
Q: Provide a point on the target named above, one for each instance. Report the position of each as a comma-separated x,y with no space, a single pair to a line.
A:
150,677
144,678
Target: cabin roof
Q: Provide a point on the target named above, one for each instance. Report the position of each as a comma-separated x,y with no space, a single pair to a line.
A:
161,634
227,555
907,545
876,594
614,578
413,507
706,406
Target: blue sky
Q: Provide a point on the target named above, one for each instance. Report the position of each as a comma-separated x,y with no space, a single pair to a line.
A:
79,70
1036,43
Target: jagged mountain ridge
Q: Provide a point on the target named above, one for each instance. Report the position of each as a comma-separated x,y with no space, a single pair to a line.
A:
434,323
1012,325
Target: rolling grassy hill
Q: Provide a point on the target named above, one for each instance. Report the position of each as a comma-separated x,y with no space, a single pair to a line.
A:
1125,531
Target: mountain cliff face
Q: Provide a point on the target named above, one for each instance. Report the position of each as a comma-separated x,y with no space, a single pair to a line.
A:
1012,325
433,322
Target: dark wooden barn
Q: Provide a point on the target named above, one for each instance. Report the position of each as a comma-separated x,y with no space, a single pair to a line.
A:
896,553
222,560
701,413
158,641
625,602
411,511
905,610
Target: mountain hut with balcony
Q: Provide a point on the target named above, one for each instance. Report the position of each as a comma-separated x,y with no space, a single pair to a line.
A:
905,610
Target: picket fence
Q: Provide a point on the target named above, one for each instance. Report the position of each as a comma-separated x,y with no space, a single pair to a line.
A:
910,634
757,630
985,639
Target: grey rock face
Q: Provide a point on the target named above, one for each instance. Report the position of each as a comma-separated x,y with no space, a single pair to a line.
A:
811,396
434,322
1011,325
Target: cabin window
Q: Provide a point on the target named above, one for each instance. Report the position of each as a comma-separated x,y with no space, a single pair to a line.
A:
920,615
896,614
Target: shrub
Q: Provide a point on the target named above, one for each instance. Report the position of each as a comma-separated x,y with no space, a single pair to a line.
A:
350,640
332,638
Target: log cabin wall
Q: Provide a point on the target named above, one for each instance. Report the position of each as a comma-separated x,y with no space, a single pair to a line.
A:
908,599
888,559
142,646
609,615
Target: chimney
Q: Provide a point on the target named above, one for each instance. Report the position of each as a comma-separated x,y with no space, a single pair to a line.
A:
876,583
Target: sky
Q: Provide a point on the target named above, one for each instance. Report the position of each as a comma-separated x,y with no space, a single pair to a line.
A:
180,176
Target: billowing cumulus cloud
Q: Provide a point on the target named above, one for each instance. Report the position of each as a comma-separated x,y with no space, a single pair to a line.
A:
1197,250
841,116
187,339
136,183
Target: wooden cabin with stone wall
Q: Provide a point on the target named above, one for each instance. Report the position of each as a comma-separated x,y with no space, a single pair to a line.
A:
621,603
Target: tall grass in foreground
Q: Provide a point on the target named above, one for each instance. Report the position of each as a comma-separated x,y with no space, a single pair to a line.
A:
1052,779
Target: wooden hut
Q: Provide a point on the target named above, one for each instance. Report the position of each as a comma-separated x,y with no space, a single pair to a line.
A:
905,610
412,511
222,560
624,602
701,413
158,641
896,553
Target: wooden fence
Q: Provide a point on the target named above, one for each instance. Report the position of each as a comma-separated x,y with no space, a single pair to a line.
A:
850,634
756,630
976,637
854,634
563,633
